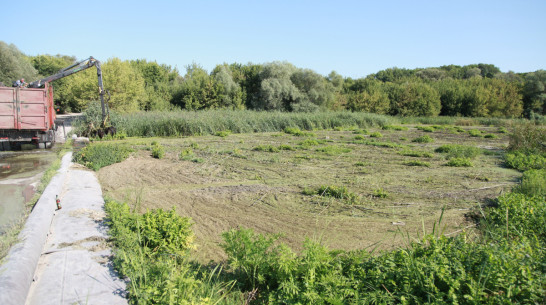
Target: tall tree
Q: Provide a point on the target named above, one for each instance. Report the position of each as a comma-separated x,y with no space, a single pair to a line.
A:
14,65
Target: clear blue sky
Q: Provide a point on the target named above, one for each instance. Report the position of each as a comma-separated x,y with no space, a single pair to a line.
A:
354,38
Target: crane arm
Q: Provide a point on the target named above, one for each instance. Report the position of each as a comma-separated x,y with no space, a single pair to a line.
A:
77,67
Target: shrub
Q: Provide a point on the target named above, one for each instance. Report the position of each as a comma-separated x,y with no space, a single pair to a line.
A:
339,192
525,161
376,134
475,133
459,162
519,215
266,148
528,138
533,183
361,131
309,142
426,128
223,133
97,156
458,151
490,136
158,151
286,147
423,139
186,154
380,193
359,137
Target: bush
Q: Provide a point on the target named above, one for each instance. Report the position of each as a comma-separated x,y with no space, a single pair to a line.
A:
458,151
223,133
533,183
308,143
158,151
266,148
490,136
376,134
97,156
528,138
423,139
426,128
475,133
525,161
339,192
518,214
380,193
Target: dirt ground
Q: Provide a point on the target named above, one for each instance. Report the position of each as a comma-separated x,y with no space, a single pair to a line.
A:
227,183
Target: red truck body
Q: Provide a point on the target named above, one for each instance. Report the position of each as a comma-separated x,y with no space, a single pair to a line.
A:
27,115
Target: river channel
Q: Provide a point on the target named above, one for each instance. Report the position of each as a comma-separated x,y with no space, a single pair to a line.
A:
20,174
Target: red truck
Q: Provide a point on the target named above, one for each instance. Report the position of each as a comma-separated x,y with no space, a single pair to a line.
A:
27,115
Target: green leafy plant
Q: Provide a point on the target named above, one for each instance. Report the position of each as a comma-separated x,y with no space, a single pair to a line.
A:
475,133
376,134
380,193
459,162
426,128
158,151
97,156
458,151
223,133
490,136
266,148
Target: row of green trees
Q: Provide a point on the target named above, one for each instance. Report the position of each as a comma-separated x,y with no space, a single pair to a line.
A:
474,90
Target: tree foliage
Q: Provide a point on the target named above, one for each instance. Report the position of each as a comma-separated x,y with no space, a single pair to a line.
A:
14,65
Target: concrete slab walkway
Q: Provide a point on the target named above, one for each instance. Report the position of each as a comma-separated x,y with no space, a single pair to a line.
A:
73,265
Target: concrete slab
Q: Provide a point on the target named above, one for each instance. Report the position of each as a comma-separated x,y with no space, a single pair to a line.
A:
74,267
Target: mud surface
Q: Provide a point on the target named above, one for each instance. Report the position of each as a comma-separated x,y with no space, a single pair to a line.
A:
227,184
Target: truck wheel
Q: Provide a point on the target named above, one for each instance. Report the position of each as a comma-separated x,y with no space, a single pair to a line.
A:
41,145
48,144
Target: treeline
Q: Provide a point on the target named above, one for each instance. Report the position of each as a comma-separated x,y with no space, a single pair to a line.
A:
480,90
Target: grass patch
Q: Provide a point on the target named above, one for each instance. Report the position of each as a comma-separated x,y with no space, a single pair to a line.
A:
475,133
423,139
395,127
99,155
376,134
333,150
266,148
380,193
223,133
458,151
490,136
417,154
426,128
459,162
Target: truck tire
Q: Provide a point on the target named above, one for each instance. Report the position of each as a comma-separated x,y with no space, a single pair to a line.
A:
41,145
